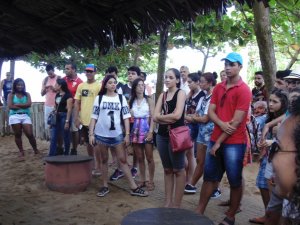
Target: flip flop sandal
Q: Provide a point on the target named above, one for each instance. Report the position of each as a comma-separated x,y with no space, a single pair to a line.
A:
227,221
258,220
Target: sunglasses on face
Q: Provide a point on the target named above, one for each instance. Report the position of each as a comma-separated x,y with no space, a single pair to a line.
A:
274,149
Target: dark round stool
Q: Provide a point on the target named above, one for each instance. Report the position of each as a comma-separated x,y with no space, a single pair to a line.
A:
165,216
68,174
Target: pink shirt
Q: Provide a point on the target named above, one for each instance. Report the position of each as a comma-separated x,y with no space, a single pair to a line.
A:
50,95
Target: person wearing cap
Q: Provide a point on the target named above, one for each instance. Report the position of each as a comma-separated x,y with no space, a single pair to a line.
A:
84,100
228,110
293,79
73,82
49,92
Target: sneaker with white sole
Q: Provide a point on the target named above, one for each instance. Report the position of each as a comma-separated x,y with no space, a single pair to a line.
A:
103,191
217,193
117,175
96,172
190,189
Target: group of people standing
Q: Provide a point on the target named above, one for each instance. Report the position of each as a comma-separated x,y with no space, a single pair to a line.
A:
113,117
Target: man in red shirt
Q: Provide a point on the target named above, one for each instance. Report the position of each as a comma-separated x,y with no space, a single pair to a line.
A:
228,110
73,81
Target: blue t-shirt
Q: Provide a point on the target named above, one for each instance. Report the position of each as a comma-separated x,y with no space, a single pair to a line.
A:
7,88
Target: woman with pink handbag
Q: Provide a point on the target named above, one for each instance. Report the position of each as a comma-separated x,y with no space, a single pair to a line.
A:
169,114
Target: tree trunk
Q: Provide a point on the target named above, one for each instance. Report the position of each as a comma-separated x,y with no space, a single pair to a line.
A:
206,56
162,57
137,54
262,28
12,69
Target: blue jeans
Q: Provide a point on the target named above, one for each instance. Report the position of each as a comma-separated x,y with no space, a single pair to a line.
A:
229,158
59,130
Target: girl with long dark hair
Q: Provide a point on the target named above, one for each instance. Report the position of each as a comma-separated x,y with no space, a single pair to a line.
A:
63,108
142,108
169,111
19,103
105,131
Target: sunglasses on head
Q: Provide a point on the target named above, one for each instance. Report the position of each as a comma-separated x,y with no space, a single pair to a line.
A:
275,149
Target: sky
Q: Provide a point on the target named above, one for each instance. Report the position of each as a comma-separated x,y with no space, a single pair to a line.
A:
176,58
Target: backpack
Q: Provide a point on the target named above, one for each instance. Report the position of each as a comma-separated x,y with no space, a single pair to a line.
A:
121,101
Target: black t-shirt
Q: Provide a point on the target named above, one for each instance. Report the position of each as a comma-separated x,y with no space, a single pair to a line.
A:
192,102
61,102
163,128
126,91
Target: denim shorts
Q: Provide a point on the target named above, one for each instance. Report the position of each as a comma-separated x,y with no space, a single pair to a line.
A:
261,181
108,141
169,159
204,133
194,127
229,159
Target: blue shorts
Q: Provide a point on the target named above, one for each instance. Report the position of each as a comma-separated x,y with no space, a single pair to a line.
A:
194,127
229,159
204,134
261,181
110,142
169,159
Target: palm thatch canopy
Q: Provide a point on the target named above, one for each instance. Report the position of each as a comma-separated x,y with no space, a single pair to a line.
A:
47,26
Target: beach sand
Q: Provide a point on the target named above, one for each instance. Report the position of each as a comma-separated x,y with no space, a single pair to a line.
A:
24,198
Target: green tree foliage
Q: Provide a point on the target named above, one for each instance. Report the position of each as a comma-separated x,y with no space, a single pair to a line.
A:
209,35
143,54
285,19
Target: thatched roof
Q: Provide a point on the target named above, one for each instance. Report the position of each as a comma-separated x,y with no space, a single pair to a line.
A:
47,26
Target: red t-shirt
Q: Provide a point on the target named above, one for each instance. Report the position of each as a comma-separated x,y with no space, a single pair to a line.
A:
73,84
235,98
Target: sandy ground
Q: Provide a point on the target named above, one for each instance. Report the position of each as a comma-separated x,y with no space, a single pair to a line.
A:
24,198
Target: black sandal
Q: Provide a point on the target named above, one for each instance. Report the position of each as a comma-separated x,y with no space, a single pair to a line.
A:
139,192
227,221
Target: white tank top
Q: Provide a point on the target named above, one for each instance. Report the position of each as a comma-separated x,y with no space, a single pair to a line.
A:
142,110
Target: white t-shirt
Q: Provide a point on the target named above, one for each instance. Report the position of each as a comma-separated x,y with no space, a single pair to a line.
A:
108,116
185,87
142,110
